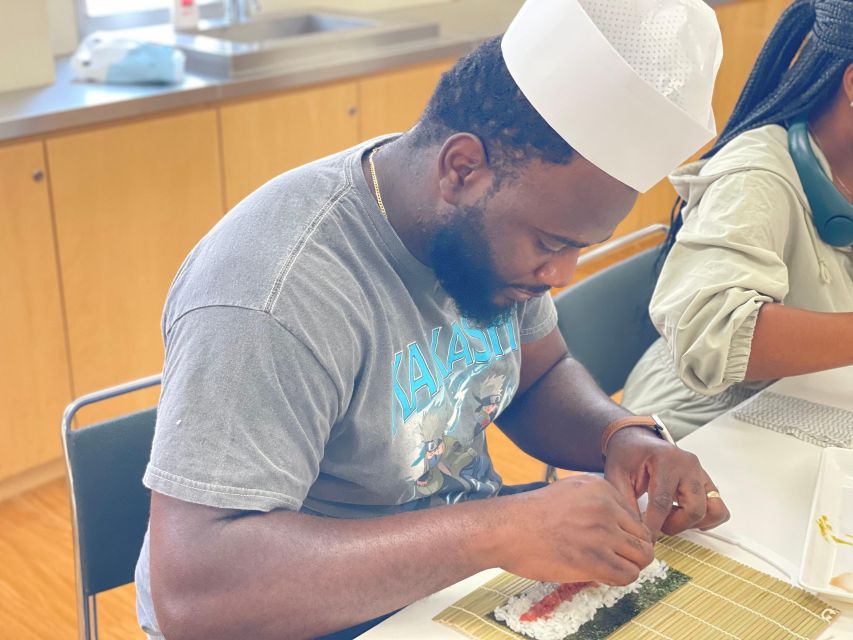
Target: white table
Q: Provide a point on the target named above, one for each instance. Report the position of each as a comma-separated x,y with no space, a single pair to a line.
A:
766,478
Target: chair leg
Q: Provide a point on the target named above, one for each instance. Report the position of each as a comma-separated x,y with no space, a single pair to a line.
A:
94,618
84,618
551,474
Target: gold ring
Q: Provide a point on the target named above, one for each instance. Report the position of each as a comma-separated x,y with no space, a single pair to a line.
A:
713,494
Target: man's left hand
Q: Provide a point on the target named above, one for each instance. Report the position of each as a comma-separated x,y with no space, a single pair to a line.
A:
678,487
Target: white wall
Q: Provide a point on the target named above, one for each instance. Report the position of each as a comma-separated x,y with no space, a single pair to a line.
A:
62,21
26,58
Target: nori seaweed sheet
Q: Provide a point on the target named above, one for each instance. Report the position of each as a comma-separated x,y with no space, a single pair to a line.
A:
609,619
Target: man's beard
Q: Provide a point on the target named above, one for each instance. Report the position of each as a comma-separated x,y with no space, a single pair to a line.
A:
463,262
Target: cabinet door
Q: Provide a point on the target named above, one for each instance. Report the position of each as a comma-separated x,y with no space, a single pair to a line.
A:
130,202
264,137
34,377
393,101
744,26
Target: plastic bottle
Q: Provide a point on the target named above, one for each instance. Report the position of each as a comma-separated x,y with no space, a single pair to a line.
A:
185,14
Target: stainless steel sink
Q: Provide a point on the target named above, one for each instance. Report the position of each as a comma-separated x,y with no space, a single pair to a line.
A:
277,28
279,41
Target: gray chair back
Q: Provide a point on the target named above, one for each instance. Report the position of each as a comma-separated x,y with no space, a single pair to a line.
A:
605,319
110,506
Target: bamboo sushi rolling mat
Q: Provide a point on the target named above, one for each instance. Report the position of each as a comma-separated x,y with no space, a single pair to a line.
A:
724,600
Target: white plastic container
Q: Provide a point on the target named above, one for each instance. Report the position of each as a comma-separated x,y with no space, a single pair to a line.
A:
184,14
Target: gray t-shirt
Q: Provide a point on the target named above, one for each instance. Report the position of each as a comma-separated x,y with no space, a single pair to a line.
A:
314,364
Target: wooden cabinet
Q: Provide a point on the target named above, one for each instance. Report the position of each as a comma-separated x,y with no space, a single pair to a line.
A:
264,137
34,378
745,26
393,101
130,201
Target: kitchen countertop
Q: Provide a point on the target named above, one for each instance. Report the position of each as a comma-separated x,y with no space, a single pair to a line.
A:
66,103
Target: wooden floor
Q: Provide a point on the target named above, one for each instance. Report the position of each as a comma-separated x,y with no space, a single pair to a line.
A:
37,598
37,572
37,567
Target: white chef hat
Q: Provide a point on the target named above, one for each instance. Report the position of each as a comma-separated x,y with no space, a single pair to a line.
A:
627,83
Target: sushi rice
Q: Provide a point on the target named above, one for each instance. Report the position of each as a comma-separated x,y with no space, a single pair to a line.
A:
571,614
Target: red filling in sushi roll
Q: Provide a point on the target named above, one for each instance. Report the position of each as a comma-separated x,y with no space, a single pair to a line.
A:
545,607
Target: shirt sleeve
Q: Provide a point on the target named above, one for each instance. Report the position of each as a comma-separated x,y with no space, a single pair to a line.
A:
537,318
727,262
245,412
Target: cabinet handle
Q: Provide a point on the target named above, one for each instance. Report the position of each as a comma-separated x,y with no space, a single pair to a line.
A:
352,111
38,175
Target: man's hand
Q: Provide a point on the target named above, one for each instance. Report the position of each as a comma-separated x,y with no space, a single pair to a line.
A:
277,571
639,462
575,530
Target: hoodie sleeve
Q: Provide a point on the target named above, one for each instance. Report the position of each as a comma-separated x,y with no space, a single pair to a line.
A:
727,262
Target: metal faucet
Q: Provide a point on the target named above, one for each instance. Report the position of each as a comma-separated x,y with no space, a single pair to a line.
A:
236,11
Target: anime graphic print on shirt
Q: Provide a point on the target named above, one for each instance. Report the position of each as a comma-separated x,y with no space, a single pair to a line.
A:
445,395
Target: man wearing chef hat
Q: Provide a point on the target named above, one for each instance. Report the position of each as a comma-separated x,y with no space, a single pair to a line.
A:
330,344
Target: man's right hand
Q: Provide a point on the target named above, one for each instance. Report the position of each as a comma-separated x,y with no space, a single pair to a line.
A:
575,530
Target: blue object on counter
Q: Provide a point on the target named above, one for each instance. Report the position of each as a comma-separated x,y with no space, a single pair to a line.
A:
148,63
101,58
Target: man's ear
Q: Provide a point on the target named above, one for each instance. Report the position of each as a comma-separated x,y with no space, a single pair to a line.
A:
463,169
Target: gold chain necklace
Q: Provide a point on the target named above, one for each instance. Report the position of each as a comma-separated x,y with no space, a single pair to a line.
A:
835,175
376,183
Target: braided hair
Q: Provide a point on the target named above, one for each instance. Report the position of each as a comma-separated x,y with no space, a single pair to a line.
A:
777,91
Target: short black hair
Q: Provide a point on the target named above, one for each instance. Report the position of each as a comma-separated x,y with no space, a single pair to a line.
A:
479,96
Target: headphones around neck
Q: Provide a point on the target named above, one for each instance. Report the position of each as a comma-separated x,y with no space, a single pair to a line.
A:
831,212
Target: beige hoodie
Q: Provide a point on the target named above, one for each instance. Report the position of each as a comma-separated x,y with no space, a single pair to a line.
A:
747,239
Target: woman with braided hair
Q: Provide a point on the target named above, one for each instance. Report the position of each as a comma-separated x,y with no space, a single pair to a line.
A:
757,283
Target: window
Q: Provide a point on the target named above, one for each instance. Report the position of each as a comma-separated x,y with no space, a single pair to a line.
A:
94,15
112,7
